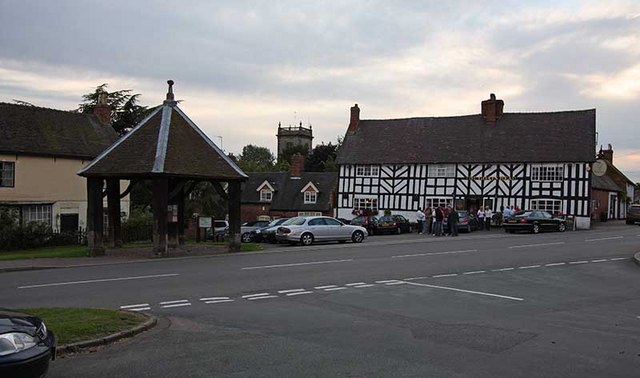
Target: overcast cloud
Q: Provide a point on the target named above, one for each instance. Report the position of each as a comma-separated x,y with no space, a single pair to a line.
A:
241,67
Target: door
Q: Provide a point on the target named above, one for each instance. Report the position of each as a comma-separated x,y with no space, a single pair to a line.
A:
69,223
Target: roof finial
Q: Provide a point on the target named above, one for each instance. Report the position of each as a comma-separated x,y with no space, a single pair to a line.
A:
170,96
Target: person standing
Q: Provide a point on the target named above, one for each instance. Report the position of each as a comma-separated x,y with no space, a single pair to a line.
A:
452,220
488,214
420,216
481,216
439,217
428,224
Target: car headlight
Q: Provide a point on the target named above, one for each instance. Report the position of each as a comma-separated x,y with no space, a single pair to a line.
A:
14,342
258,231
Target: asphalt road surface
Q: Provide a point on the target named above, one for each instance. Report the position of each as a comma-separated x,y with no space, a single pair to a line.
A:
479,305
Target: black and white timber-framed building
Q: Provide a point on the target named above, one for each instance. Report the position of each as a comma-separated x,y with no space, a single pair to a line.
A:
495,159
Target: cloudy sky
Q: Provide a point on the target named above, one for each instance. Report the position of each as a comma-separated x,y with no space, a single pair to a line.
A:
241,67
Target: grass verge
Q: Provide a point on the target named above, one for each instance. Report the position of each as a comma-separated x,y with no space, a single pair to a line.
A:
72,325
41,253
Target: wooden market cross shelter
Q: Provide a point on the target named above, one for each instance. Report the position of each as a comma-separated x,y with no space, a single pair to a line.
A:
171,151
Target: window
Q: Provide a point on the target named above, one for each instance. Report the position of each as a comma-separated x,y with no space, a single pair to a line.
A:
367,171
310,197
438,201
552,206
442,170
365,204
547,172
264,218
308,213
7,174
37,213
266,195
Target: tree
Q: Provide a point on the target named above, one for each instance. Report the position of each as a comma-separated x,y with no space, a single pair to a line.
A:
125,110
290,150
256,159
322,159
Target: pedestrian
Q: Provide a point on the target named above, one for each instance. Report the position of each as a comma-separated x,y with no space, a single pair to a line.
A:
433,221
488,215
481,216
452,220
428,224
439,217
420,217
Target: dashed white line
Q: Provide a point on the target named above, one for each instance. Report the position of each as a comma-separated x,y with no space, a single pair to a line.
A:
476,272
355,284
415,278
324,287
299,293
296,264
502,269
363,286
611,238
335,288
555,264
466,291
172,302
598,261
445,275
386,281
395,283
102,280
435,253
134,306
254,295
290,291
619,258
219,301
535,245
578,262
529,267
262,297
176,305
213,299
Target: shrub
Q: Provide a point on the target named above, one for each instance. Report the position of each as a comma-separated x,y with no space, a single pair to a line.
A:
138,227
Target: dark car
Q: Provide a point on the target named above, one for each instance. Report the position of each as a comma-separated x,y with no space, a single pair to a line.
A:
267,233
467,222
533,221
393,224
246,229
370,222
26,346
633,214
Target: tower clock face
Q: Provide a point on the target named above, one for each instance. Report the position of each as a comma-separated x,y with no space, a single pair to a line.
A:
599,167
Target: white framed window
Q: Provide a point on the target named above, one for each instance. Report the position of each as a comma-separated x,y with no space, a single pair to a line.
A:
442,170
37,213
550,205
309,213
266,195
547,172
7,174
310,197
365,203
438,201
264,218
367,171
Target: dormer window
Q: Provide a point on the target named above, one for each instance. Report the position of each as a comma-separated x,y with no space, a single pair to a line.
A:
310,192
266,195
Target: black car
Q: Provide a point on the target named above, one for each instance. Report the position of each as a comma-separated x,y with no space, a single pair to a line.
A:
370,222
533,221
267,233
26,346
467,222
393,224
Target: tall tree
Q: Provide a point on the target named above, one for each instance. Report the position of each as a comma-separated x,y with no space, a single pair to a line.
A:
125,110
256,159
290,150
321,159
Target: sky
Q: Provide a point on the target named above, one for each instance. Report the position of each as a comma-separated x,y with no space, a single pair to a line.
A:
241,67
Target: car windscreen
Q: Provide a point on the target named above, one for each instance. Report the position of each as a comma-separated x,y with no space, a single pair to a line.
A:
297,221
386,218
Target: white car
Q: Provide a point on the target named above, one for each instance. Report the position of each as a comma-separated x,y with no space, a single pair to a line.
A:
306,230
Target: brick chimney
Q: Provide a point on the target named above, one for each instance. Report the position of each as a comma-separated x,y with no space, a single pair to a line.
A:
492,109
606,154
355,119
297,165
102,110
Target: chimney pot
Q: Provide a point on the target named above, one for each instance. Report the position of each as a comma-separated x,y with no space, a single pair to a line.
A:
492,109
297,165
355,119
102,110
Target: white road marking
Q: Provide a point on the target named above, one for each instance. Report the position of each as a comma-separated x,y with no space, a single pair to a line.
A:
172,302
355,284
611,238
324,287
177,305
289,291
578,262
133,306
555,264
299,293
296,264
476,272
435,253
362,286
395,283
386,281
415,278
529,267
102,280
265,297
502,270
445,275
213,298
254,295
598,261
535,245
219,301
619,258
466,291
140,309
335,288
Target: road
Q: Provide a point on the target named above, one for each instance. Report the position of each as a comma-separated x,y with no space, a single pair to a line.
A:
480,305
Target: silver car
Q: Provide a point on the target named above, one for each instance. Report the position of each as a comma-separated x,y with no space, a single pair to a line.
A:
306,230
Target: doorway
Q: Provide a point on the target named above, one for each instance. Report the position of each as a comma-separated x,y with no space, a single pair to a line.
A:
69,223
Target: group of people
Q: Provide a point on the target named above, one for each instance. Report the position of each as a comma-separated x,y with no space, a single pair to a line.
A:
430,221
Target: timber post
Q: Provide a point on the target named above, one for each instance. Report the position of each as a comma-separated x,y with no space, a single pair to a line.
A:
113,210
235,191
95,221
160,203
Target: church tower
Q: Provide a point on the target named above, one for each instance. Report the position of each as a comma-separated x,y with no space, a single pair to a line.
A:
292,136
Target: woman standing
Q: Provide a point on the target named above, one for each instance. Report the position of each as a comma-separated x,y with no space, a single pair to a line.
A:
481,216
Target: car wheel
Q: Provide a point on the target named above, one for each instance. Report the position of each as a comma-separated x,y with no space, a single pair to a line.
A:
306,239
536,228
562,227
399,231
246,237
357,237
